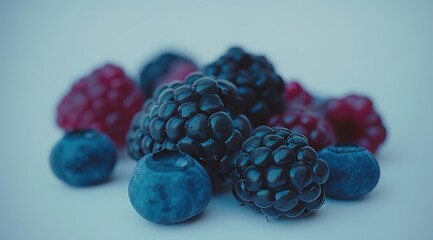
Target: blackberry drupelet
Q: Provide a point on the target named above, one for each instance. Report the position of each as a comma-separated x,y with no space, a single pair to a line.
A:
201,117
260,87
106,101
278,174
163,69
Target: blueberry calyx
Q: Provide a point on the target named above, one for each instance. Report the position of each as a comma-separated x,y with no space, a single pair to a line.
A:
169,161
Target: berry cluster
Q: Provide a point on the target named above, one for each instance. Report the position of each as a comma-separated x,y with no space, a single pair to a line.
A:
351,119
195,130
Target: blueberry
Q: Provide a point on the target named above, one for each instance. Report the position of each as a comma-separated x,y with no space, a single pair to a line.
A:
169,187
83,158
353,171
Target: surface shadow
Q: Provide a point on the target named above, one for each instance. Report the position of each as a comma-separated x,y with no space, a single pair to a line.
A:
220,189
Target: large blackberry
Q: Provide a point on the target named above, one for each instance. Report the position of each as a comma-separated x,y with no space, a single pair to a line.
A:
260,87
105,100
163,69
201,117
278,174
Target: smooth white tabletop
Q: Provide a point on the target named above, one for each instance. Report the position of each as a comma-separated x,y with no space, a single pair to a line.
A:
380,48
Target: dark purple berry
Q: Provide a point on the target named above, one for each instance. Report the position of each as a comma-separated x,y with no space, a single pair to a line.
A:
200,117
279,174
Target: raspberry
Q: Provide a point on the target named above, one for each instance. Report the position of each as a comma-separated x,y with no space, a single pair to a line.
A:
278,174
355,120
260,87
200,117
317,130
295,96
163,69
106,100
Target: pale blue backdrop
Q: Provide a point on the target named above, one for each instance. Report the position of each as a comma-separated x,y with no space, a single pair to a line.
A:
380,48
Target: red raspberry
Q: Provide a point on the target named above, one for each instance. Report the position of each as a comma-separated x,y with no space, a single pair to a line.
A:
318,131
106,100
296,97
355,120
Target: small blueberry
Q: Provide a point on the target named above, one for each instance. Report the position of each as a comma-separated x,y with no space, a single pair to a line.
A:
353,171
83,158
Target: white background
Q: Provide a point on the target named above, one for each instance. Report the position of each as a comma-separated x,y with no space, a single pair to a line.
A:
380,48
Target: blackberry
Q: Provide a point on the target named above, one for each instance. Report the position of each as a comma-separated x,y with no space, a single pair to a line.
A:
201,117
355,120
163,69
278,174
313,126
106,100
260,87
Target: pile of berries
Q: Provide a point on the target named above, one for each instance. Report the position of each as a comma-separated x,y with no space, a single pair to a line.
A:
236,122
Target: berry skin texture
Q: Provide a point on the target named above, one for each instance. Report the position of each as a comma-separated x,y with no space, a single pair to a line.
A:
355,120
169,187
354,171
278,174
83,158
163,69
296,97
317,130
260,88
106,101
200,116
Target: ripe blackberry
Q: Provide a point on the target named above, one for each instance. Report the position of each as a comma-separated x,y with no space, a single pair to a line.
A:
201,117
278,174
260,87
163,69
355,120
106,100
313,126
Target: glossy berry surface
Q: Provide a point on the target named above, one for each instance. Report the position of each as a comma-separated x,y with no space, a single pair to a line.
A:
106,100
355,120
169,187
163,69
313,126
354,171
83,158
278,174
201,117
260,88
